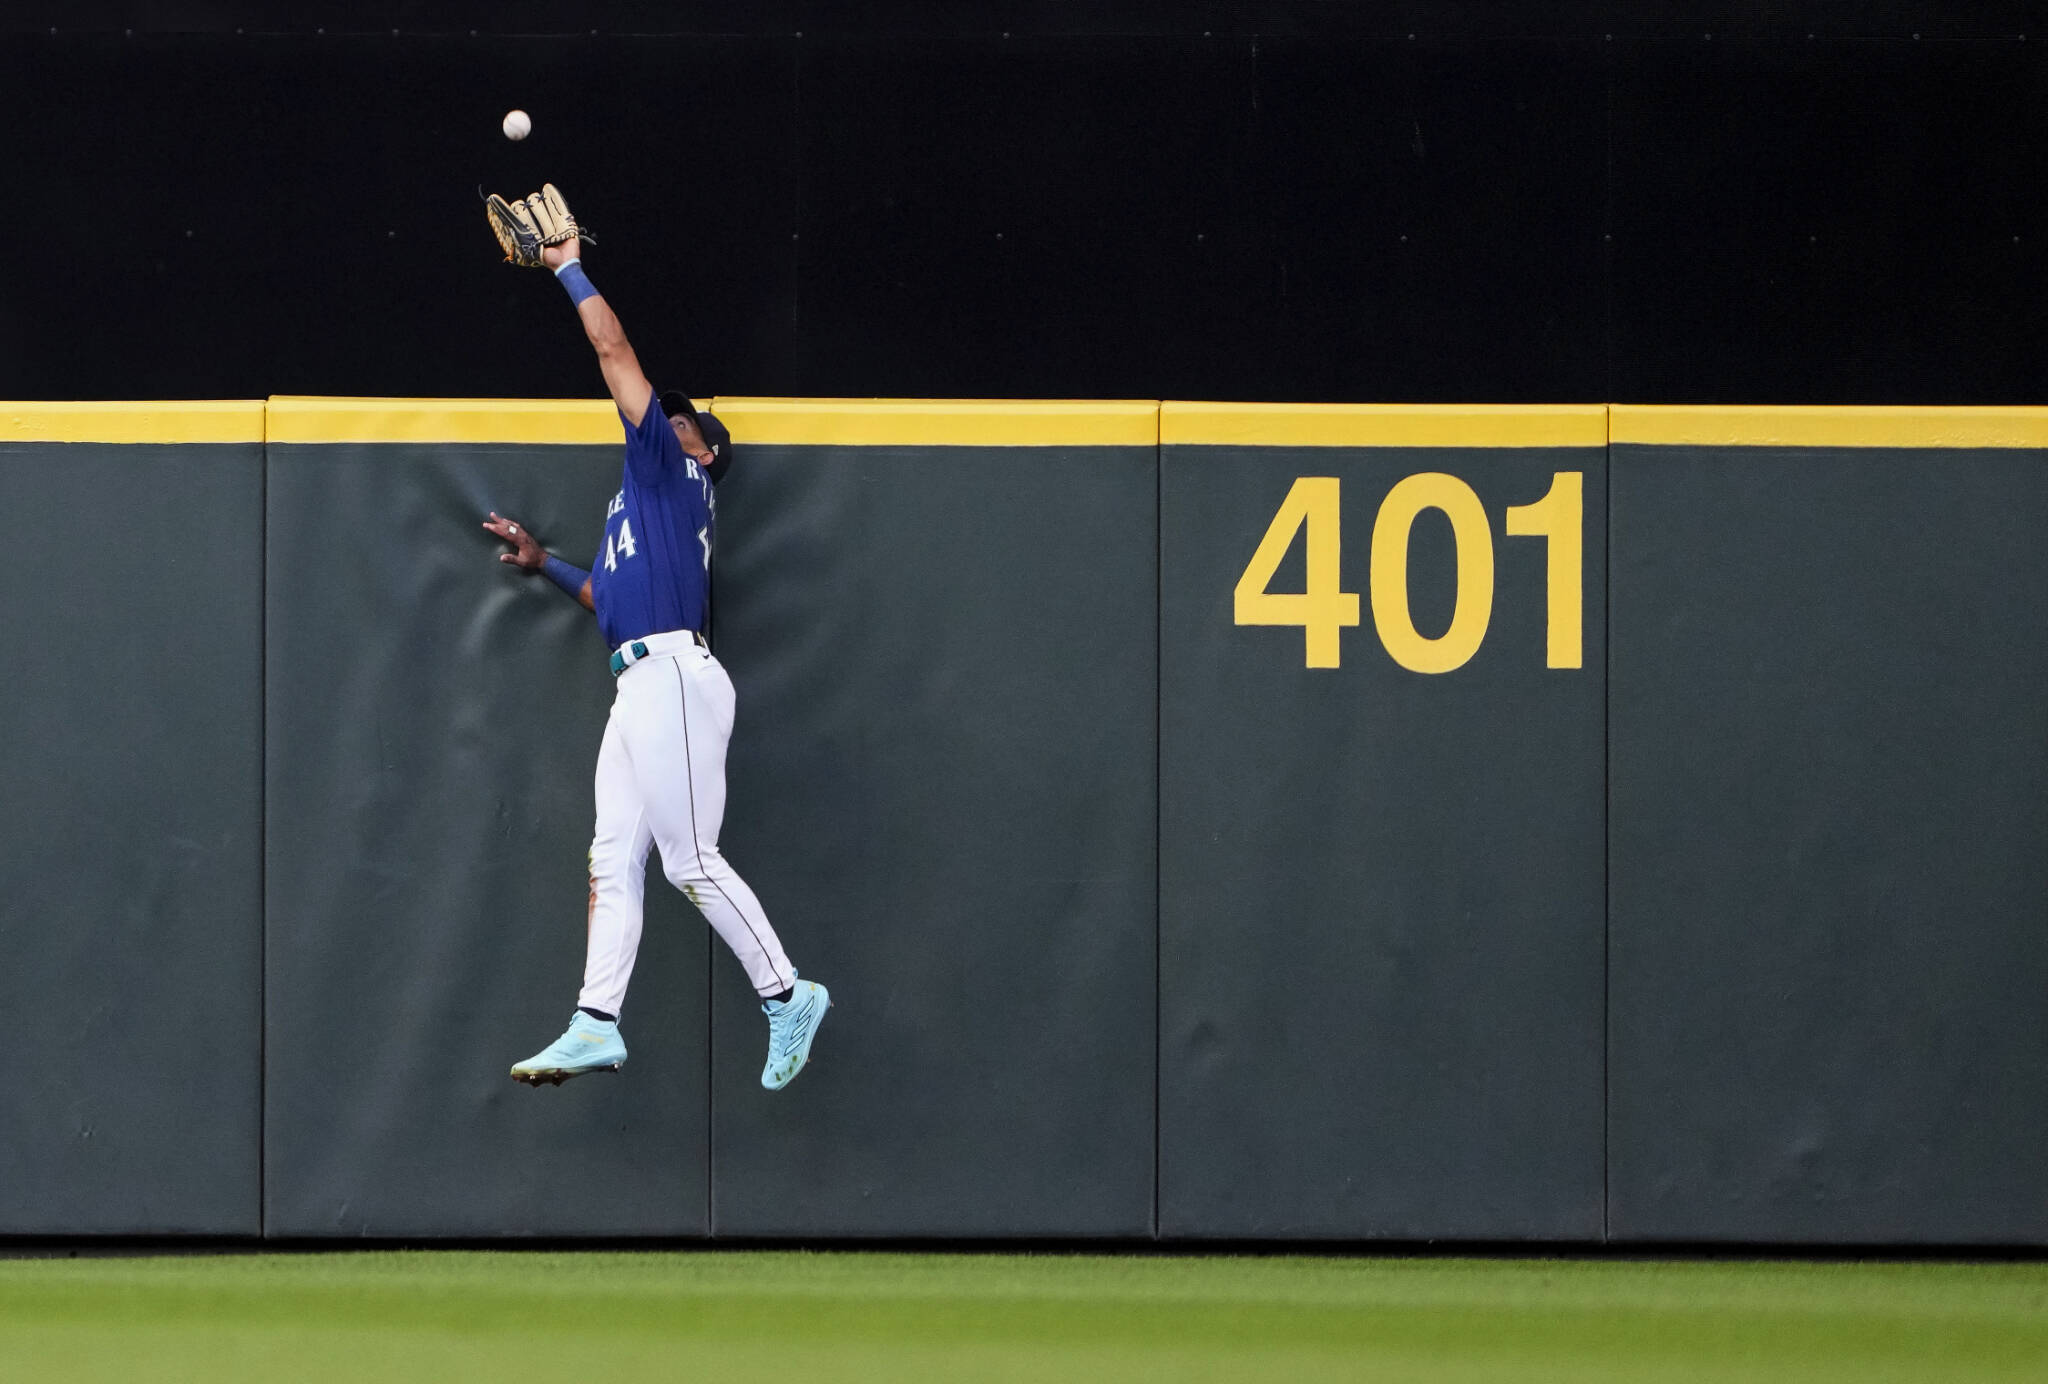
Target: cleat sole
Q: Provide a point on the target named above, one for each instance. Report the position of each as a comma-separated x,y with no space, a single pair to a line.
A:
556,1076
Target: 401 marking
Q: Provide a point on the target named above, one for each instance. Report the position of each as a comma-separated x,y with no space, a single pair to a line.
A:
1323,609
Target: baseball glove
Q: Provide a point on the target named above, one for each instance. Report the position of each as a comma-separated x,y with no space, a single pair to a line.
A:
525,227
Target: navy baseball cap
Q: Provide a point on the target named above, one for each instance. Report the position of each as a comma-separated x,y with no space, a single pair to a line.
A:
673,402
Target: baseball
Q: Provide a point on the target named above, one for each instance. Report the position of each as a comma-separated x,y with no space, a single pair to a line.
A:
518,125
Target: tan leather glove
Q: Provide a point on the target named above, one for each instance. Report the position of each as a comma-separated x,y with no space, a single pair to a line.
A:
525,227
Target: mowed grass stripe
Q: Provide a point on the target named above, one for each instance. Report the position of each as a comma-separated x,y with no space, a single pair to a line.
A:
518,1315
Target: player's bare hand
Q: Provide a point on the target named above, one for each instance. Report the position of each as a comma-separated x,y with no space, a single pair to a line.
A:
526,550
555,256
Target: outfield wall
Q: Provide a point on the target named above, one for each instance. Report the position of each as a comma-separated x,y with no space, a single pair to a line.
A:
1568,824
1828,826
1381,912
131,792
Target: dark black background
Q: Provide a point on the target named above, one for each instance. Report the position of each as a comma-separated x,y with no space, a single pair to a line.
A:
1826,203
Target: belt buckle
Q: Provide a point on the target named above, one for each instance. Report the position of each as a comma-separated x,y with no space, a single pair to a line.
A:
620,663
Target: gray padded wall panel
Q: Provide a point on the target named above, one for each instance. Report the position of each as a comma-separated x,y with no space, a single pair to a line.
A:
434,719
1381,897
1829,846
130,782
942,785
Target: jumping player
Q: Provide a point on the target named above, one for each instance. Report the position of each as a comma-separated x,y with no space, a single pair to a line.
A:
661,770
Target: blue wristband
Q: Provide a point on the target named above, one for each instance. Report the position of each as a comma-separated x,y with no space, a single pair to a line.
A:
576,281
569,578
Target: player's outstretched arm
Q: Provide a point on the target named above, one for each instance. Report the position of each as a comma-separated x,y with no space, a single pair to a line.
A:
529,556
629,387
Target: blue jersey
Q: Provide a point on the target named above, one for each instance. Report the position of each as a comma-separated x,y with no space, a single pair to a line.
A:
652,574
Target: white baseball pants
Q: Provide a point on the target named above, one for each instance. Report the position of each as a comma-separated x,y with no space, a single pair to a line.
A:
661,781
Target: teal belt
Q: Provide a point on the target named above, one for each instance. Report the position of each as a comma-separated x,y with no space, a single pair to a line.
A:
630,654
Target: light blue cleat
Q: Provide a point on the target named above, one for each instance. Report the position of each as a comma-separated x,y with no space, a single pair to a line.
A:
590,1045
791,1026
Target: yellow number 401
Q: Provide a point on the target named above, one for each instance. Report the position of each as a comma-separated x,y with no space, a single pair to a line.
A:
1321,609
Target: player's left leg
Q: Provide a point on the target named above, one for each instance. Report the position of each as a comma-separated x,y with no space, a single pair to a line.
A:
683,722
677,732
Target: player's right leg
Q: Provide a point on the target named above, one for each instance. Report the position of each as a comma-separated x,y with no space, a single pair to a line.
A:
618,877
618,884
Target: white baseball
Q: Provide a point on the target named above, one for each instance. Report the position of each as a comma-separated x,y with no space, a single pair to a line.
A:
518,124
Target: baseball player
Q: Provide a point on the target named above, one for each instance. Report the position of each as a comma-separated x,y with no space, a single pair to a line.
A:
661,770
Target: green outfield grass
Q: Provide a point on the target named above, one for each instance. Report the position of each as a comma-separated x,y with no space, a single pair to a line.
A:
569,1318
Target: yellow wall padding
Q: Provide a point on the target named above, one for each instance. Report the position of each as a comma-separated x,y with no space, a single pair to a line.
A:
943,422
1032,423
183,420
1382,425
569,421
1798,426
